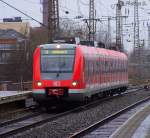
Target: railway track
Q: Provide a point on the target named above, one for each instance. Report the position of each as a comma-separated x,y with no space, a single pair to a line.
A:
19,119
19,125
18,113
106,127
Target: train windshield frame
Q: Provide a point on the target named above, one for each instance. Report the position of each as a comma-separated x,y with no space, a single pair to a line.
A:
57,60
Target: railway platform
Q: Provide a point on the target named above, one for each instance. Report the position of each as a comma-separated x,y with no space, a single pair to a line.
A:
137,126
12,96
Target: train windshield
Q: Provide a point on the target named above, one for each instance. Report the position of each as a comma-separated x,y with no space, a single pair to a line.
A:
57,61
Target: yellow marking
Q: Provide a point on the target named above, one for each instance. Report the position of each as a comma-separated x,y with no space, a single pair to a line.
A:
59,52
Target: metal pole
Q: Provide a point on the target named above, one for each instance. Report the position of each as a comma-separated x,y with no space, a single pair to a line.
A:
119,26
91,21
53,19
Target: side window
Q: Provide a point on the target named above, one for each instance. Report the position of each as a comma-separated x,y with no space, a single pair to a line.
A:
93,64
117,65
106,66
87,69
113,68
126,66
111,65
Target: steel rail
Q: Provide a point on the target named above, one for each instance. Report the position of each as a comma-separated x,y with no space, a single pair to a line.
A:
106,120
5,123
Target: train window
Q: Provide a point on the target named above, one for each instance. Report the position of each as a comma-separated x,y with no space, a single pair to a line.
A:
89,69
116,65
119,67
92,70
86,68
124,66
99,67
109,65
102,65
93,66
57,62
113,66
99,60
110,68
106,66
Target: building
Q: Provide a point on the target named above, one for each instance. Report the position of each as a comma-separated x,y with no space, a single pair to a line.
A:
14,37
12,54
21,27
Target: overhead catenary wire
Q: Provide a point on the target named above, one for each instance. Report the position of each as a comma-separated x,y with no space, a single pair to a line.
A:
11,6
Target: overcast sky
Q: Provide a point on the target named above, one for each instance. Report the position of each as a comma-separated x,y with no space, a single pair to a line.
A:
75,8
78,8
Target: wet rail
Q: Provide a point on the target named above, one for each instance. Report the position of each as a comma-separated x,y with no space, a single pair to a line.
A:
106,127
33,113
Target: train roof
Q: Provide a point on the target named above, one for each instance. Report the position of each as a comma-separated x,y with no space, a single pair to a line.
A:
54,45
103,52
86,49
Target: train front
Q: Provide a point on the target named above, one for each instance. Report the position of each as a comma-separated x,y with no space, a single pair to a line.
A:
54,72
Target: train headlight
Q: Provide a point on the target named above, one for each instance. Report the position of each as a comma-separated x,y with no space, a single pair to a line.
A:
39,83
74,83
57,46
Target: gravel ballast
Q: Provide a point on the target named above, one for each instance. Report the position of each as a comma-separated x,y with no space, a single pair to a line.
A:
69,124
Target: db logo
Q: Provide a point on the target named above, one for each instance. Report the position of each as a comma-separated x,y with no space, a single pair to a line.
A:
56,83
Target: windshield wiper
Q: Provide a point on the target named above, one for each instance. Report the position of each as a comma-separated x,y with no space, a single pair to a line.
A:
60,71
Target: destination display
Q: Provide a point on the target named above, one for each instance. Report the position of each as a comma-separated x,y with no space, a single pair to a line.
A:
57,52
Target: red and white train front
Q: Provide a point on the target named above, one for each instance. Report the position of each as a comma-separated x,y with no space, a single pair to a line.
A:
56,72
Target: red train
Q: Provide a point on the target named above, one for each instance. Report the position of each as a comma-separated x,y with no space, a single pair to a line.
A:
75,72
